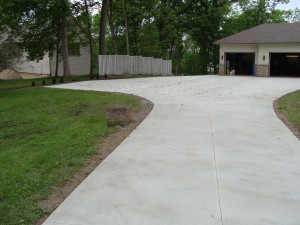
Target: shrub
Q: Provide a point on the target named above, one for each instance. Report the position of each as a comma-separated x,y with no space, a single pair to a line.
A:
43,82
54,81
33,84
62,80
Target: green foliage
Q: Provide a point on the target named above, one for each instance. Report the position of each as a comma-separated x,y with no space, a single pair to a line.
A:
38,24
44,140
33,84
156,28
253,14
53,80
61,80
203,24
292,16
43,82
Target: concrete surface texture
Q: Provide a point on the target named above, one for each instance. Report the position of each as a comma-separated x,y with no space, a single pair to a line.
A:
212,152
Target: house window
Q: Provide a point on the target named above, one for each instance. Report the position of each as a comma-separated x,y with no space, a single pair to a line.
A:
74,49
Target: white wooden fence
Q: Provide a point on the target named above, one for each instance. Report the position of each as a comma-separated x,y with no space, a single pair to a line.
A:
134,65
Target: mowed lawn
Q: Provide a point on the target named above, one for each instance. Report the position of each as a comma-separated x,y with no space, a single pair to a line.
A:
21,83
289,105
46,135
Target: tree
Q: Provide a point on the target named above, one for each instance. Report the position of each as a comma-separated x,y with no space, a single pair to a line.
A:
126,26
292,16
253,13
112,27
203,24
258,12
89,35
102,32
37,23
64,26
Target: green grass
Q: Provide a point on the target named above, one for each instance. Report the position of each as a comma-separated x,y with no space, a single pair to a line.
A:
8,84
290,107
46,135
24,83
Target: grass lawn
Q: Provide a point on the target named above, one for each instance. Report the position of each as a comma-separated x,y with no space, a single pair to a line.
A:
46,135
289,105
7,84
22,83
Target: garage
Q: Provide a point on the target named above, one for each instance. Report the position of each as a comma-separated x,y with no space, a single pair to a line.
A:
240,63
263,51
285,64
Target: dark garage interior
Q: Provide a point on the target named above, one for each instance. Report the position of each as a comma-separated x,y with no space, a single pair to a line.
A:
241,63
285,64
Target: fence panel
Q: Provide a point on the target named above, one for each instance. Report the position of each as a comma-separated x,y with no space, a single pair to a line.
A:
134,65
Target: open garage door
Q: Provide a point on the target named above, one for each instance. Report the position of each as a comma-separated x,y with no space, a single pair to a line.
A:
241,63
285,64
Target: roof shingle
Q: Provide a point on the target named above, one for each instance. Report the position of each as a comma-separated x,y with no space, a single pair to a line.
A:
265,33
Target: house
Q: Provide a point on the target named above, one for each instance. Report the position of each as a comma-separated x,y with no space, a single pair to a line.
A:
79,59
26,66
265,50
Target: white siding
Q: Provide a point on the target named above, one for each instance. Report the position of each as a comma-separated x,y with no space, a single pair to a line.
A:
80,65
266,49
261,50
237,48
40,67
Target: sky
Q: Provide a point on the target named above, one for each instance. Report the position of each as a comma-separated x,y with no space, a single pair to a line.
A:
292,5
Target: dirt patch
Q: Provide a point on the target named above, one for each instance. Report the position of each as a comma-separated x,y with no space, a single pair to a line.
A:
11,75
107,147
280,115
118,116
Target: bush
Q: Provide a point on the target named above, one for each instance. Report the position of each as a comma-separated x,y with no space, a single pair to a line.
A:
97,76
33,84
92,77
62,80
43,82
54,81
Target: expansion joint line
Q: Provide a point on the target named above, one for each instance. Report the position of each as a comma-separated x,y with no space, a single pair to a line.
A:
216,169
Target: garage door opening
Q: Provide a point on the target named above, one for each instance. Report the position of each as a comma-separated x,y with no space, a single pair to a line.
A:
241,63
285,64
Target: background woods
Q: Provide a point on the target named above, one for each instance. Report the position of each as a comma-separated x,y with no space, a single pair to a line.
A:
183,31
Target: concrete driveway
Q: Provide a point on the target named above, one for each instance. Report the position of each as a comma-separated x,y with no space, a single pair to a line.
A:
212,152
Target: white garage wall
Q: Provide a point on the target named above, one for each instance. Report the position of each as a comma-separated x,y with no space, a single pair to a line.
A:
260,50
239,48
266,49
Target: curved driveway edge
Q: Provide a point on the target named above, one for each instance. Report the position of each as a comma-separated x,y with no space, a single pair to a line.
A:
212,152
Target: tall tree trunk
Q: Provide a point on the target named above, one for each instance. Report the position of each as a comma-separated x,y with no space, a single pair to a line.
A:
203,58
66,63
57,59
102,32
57,50
112,29
126,27
90,36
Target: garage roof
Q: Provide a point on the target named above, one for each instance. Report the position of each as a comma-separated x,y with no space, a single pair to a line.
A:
266,33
